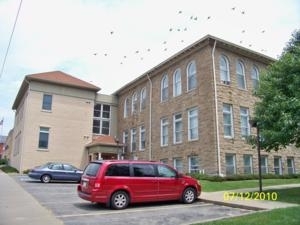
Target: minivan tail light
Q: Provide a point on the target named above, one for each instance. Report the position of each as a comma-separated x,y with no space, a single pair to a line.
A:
97,185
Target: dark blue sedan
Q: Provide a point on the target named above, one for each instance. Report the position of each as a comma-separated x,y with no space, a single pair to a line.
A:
56,171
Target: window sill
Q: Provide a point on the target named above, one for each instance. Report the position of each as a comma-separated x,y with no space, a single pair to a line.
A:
46,111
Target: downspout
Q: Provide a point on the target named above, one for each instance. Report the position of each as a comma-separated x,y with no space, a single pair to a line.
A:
216,111
150,118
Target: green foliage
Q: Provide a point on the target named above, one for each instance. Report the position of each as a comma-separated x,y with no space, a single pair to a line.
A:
9,169
238,177
3,162
278,111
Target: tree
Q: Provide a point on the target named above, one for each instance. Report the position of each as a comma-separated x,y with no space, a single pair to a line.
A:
277,113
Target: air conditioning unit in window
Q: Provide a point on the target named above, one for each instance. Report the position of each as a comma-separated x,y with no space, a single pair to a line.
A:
226,82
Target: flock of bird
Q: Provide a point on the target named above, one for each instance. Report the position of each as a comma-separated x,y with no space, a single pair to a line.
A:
174,29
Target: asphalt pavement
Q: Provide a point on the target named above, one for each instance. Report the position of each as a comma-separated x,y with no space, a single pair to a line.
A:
18,207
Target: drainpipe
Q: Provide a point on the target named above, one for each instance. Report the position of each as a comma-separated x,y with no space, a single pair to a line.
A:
150,118
216,111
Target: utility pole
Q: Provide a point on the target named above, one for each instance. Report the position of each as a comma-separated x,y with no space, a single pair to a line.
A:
255,124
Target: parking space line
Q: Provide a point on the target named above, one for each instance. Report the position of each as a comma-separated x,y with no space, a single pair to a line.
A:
158,208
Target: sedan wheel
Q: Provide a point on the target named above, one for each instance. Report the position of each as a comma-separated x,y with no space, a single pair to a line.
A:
45,178
119,200
189,195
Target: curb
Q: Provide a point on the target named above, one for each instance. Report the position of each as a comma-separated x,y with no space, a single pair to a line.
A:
233,205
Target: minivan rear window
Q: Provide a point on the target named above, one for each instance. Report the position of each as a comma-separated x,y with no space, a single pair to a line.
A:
92,169
118,170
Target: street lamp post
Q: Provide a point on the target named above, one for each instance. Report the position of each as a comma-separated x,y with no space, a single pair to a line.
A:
255,124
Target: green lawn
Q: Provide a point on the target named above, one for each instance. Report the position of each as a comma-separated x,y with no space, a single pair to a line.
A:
284,216
209,186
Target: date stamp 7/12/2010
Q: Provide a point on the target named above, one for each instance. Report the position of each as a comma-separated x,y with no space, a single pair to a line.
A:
240,196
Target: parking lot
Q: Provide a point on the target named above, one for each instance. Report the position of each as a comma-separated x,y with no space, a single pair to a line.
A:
62,200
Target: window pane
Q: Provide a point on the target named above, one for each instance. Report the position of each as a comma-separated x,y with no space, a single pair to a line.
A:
240,75
194,164
191,76
230,164
118,170
193,124
227,120
224,71
145,170
47,102
44,137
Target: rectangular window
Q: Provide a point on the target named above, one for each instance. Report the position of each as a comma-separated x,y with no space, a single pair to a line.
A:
44,138
133,139
194,166
177,128
230,164
118,170
125,140
277,165
228,120
245,127
164,132
193,124
47,102
101,121
142,138
178,164
290,165
143,170
264,164
248,169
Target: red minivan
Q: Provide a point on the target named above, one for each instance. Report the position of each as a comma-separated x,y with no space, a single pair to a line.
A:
120,182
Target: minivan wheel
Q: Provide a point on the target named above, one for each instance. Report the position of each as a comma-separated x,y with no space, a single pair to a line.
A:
189,195
46,178
119,200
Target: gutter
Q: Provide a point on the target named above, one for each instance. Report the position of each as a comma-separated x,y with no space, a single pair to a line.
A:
216,110
150,118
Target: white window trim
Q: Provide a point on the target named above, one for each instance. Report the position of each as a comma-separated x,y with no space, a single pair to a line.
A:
164,81
142,131
239,62
227,80
188,75
231,118
175,83
162,125
189,123
174,128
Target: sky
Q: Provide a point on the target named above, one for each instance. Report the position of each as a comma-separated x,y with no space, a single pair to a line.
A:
111,42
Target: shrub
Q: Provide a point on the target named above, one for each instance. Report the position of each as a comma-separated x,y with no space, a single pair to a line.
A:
3,162
9,169
236,177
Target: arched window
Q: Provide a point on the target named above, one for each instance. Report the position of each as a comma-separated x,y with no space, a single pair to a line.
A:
224,70
177,83
126,107
240,74
143,97
191,76
255,77
134,103
164,88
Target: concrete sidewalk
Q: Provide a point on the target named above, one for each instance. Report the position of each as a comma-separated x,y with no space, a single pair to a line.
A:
17,207
223,198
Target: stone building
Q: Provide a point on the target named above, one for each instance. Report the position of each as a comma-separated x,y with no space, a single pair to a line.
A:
192,111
